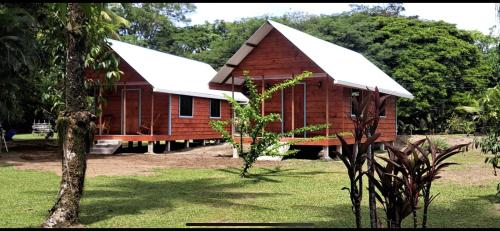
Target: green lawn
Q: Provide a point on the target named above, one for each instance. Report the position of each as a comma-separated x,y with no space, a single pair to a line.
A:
30,136
304,191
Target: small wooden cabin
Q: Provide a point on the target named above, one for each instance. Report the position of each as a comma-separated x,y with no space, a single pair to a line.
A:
160,97
276,52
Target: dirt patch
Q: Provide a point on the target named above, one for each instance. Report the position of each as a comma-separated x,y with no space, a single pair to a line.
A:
32,156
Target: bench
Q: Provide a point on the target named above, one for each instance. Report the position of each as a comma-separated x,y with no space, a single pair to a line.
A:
42,128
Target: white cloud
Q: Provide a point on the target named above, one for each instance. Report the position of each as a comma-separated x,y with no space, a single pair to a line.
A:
470,16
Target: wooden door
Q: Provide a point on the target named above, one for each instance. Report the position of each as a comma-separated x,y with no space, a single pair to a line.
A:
132,111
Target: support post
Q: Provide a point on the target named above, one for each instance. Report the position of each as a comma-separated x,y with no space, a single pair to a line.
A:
167,146
232,108
382,146
262,103
186,143
152,111
169,114
203,143
125,108
235,153
150,147
339,148
326,149
293,109
325,153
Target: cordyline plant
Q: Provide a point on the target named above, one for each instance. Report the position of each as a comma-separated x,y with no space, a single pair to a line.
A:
378,102
354,157
407,175
252,123
433,166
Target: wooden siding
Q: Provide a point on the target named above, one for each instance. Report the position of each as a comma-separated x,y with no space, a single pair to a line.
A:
197,127
276,56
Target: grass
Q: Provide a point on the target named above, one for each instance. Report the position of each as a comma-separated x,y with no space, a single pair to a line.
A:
30,136
304,191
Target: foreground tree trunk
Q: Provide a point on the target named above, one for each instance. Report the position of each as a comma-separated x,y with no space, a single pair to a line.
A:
75,127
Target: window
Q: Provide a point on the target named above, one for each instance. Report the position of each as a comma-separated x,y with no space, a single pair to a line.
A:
382,111
214,108
355,93
185,106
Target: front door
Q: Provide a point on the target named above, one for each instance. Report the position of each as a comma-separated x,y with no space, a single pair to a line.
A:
131,114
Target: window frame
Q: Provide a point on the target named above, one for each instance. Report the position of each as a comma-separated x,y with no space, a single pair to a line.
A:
385,106
192,106
350,99
210,109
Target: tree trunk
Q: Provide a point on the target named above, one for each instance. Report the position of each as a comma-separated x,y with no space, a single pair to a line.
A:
75,127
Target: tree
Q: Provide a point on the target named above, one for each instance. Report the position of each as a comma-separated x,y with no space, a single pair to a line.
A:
86,28
152,25
251,122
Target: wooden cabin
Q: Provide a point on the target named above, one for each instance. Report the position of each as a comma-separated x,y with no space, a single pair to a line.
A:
276,52
160,97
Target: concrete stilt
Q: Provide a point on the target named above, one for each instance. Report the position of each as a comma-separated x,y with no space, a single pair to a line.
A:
325,153
338,148
203,143
186,142
167,146
150,147
382,146
217,141
235,153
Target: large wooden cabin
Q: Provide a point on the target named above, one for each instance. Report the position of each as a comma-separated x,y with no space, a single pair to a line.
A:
160,97
276,52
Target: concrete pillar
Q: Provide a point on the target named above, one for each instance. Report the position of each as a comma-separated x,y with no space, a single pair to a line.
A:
150,147
186,142
382,146
203,143
235,153
217,141
167,146
325,153
338,148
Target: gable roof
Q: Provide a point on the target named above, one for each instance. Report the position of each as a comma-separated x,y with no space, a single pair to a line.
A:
169,73
346,67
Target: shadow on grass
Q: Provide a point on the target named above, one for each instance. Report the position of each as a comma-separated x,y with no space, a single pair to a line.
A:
465,213
132,196
267,174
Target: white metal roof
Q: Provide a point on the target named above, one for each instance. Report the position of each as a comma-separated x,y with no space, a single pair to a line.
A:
171,74
346,67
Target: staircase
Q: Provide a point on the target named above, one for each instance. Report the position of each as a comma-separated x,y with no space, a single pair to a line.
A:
106,147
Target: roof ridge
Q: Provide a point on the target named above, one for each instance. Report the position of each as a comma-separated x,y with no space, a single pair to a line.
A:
157,51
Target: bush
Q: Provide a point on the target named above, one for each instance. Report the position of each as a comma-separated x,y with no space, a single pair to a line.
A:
440,143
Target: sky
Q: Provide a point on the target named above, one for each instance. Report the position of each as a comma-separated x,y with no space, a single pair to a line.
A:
469,16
